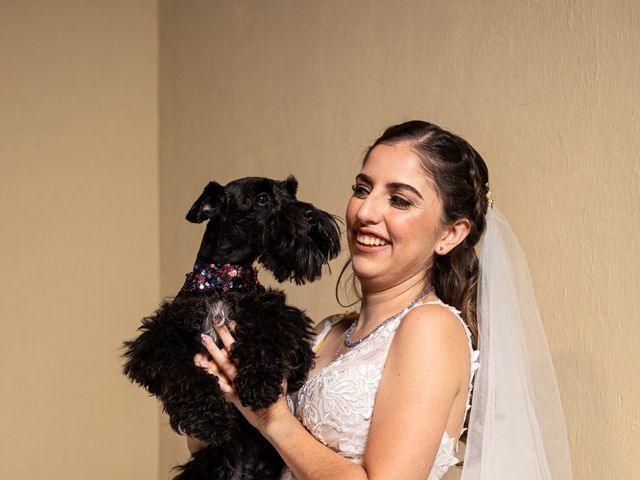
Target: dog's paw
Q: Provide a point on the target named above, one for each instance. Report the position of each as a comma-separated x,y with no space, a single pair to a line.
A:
258,390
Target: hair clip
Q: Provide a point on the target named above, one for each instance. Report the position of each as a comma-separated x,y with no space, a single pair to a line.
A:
488,195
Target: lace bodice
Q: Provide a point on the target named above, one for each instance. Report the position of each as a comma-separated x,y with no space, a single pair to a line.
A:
336,404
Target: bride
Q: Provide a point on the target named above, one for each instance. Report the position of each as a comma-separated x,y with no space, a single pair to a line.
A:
393,384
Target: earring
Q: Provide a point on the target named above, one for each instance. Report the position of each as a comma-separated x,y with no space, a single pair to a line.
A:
440,249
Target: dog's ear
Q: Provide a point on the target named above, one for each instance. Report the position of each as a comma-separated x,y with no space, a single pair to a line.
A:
208,204
291,185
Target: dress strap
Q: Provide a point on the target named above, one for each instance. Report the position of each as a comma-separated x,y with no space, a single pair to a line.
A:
327,325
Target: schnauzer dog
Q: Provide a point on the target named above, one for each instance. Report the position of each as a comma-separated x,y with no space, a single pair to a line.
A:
250,219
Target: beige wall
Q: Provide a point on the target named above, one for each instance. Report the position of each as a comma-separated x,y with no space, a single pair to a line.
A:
79,245
547,91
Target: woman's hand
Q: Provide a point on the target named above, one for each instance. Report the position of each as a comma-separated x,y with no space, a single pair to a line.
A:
221,366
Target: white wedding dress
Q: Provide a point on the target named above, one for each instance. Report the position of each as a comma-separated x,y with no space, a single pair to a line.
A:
336,404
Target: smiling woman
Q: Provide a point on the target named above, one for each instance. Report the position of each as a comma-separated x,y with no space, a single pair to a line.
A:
394,203
418,209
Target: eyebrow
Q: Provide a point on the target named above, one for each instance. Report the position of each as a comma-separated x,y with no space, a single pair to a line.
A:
393,185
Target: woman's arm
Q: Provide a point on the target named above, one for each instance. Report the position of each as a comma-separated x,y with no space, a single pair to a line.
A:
424,384
307,458
422,377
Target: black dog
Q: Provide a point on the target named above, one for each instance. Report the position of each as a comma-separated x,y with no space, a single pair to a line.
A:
249,219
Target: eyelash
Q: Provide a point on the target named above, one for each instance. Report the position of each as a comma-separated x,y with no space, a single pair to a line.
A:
397,201
358,190
400,202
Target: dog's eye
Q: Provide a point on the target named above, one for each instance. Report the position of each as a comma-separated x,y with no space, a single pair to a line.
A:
262,199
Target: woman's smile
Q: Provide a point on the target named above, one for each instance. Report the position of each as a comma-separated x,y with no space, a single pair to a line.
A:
370,242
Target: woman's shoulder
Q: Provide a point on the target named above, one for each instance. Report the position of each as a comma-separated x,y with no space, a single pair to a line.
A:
434,322
430,342
435,313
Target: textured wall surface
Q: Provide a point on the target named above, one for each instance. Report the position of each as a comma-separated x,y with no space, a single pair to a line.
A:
79,249
546,90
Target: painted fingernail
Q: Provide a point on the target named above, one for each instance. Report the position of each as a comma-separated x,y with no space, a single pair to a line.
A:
205,338
218,320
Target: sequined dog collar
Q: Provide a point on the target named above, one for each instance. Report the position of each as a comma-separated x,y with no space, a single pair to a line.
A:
220,277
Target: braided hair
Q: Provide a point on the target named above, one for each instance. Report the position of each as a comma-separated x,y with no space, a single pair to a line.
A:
460,177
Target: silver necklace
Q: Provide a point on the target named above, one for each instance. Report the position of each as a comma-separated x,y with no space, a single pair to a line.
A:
347,338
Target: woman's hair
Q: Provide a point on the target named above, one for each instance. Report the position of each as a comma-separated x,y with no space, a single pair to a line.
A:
460,178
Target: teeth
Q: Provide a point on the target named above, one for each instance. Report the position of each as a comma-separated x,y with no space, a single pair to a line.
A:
369,240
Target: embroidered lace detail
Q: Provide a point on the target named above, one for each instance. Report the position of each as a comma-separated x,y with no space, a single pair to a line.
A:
336,404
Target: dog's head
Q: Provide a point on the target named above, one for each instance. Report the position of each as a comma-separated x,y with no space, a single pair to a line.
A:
257,218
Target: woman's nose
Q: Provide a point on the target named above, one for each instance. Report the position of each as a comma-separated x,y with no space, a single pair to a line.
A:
370,211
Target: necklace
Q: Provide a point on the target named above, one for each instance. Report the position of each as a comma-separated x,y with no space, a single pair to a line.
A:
347,337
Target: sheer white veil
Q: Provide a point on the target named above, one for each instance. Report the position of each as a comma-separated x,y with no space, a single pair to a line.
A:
516,426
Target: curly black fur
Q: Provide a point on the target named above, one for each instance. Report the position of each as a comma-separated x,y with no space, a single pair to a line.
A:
249,219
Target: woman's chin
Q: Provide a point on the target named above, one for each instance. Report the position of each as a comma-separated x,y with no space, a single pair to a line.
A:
369,261
365,269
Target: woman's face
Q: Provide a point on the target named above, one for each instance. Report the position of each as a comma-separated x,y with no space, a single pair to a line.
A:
392,218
